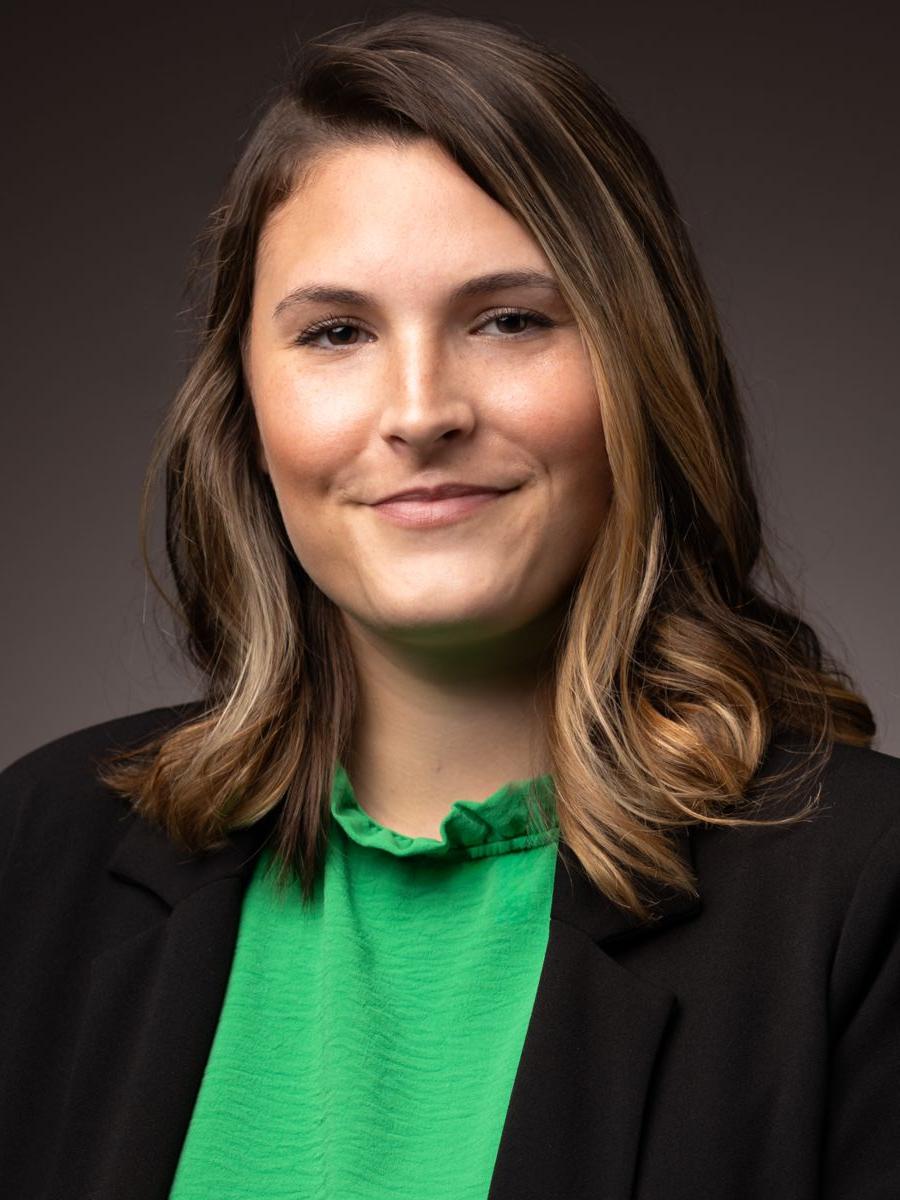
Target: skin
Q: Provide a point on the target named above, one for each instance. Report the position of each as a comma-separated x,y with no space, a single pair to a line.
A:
450,626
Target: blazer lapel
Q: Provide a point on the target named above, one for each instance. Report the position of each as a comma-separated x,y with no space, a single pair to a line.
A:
573,1126
149,1017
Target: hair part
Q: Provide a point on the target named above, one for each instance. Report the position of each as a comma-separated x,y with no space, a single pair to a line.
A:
673,668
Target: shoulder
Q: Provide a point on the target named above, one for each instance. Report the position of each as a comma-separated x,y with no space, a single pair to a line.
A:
866,777
54,791
859,801
856,834
71,759
856,789
817,868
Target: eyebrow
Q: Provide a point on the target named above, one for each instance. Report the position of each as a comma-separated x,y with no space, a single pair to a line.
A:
328,293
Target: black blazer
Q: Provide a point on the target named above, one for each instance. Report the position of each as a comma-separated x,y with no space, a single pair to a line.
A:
747,1045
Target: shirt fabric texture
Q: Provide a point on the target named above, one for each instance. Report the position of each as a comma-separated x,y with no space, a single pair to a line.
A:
367,1045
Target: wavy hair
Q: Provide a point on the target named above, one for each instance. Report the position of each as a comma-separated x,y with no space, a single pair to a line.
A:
674,666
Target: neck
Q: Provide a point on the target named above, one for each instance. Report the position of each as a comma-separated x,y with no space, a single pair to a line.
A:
431,729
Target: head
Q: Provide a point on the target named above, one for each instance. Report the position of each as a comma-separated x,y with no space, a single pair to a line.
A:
444,369
404,161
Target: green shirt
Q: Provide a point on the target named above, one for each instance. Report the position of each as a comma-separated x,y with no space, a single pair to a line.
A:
367,1046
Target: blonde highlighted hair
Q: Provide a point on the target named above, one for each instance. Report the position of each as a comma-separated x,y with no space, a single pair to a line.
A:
674,666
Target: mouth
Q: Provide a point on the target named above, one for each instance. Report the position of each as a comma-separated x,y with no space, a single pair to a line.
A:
417,513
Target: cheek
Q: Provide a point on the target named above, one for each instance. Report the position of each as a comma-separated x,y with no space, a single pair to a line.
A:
570,444
563,421
304,458
307,433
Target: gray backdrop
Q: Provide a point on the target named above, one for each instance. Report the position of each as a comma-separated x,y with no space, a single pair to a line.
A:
776,125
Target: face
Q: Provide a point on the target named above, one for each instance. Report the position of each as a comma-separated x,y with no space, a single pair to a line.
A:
423,378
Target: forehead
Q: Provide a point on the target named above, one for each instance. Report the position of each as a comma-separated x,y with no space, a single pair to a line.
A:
388,210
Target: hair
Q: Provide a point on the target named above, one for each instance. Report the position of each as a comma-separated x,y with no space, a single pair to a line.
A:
672,669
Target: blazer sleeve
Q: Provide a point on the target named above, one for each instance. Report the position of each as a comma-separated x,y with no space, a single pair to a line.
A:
862,1133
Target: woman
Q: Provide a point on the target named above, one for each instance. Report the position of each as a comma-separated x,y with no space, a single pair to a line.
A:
522,846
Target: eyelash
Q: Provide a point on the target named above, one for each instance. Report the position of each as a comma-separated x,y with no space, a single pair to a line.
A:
333,320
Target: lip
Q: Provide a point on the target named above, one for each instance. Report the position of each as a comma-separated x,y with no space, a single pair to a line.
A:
441,491
424,513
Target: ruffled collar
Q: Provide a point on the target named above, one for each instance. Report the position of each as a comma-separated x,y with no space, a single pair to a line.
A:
501,823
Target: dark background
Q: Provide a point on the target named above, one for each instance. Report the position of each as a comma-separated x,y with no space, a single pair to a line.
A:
777,128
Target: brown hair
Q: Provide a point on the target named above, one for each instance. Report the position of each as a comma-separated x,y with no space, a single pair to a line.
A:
673,668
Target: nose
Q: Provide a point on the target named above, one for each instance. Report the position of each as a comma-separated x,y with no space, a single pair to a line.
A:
425,396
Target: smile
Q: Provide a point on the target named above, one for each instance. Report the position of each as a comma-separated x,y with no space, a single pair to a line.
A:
431,514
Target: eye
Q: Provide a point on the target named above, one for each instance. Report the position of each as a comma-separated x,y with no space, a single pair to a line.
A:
518,315
344,326
327,325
